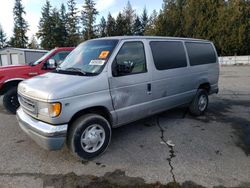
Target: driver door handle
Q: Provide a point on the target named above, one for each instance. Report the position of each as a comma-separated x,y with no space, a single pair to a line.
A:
149,89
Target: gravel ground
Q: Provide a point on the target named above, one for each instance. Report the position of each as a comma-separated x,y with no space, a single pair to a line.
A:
210,151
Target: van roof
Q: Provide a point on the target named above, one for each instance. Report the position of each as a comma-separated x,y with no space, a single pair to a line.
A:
151,38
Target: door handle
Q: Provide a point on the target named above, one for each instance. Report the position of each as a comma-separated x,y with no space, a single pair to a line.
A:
149,89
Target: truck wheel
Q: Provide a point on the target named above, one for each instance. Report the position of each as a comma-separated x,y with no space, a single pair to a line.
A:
10,100
89,136
200,103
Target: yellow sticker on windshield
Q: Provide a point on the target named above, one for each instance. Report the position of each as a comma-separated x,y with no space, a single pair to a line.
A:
104,54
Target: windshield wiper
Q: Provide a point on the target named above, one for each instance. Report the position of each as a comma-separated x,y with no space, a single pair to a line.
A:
74,70
78,70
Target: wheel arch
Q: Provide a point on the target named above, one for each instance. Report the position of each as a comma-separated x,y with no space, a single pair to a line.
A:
100,110
10,83
206,86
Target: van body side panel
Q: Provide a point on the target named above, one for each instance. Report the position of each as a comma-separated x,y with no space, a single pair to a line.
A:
178,86
75,104
206,73
171,87
130,98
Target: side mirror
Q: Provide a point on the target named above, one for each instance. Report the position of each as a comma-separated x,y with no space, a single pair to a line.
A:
125,68
50,64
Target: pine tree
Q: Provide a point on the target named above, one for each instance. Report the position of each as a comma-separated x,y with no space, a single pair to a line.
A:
170,20
33,43
3,38
119,26
129,17
72,24
111,26
45,32
137,27
19,39
102,28
56,27
62,25
88,18
144,20
151,26
236,37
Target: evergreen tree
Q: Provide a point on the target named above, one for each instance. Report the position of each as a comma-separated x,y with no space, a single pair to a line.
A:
62,25
129,17
119,26
56,27
3,38
102,28
234,37
137,27
19,39
150,28
170,20
88,18
33,43
111,26
72,24
45,32
144,20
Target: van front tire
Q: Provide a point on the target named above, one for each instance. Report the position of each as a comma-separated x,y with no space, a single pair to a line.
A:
10,100
200,103
89,136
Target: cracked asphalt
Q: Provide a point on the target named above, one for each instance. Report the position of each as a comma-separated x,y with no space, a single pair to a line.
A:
211,150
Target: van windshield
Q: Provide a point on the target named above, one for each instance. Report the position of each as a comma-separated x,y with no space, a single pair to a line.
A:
89,58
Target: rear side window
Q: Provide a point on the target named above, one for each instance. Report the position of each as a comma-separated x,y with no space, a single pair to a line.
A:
168,54
200,53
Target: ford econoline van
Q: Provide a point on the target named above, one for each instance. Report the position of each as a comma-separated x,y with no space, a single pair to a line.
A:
108,82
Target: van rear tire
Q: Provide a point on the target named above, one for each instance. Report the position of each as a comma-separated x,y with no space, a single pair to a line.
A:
89,136
10,100
200,103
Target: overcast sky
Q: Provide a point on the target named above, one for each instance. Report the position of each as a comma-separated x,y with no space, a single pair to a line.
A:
33,10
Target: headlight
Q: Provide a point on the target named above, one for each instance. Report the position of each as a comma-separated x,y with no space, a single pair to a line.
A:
49,109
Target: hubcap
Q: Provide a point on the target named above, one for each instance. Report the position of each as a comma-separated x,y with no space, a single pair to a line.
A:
92,138
202,103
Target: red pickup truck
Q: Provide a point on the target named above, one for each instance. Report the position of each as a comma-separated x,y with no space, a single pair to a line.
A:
10,76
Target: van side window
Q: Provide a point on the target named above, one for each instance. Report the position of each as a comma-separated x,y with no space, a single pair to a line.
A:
168,54
200,53
130,59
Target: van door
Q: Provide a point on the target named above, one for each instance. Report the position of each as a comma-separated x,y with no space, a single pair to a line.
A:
171,78
129,81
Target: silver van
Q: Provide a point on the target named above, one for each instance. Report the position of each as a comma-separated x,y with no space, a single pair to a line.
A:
108,82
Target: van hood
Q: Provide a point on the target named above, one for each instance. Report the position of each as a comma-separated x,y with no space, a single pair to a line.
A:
54,86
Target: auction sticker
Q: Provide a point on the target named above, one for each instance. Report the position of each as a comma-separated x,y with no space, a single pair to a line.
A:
97,62
104,54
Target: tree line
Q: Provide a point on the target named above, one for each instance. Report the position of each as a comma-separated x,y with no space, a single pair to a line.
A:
225,22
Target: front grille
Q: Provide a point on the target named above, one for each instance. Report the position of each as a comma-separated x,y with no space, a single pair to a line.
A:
27,104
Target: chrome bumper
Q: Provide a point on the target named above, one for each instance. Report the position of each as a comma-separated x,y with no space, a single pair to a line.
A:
51,137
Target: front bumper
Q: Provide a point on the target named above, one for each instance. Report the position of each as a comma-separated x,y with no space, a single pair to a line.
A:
50,137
